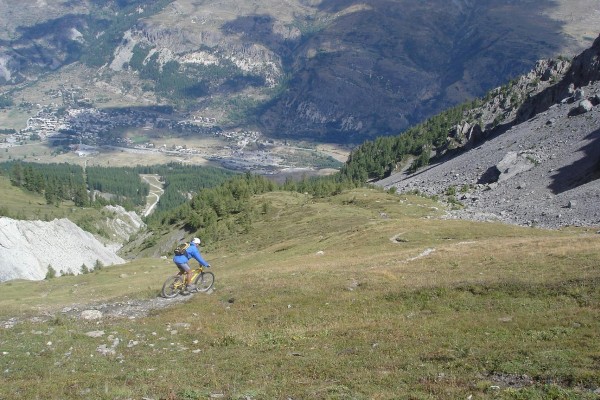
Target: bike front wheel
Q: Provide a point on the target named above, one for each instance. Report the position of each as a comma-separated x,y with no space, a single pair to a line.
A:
173,286
204,281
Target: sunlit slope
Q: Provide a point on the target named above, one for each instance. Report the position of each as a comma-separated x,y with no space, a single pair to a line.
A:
361,296
20,204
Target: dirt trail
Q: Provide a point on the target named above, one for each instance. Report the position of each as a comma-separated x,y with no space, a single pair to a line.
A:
130,309
156,190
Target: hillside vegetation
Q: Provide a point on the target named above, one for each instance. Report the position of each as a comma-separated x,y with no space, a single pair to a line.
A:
362,295
20,204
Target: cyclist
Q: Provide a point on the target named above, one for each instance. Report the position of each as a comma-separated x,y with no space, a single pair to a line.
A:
192,251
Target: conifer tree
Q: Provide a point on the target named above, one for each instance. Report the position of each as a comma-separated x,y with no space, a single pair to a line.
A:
51,273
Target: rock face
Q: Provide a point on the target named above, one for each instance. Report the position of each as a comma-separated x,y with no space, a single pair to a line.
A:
554,184
584,70
27,248
122,223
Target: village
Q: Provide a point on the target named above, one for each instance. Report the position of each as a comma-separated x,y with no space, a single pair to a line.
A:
86,130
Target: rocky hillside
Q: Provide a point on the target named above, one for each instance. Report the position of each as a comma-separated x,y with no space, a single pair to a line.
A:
29,248
539,167
329,70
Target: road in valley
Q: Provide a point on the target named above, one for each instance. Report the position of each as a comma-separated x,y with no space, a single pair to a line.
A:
156,190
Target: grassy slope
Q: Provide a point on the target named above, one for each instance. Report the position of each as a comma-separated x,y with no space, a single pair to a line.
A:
20,204
329,300
25,205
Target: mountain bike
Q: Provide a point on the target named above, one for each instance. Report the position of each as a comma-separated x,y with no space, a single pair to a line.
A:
175,285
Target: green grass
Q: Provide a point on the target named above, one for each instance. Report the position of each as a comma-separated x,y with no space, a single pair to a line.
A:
328,299
20,204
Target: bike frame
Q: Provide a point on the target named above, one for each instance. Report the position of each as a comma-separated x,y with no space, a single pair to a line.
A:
195,272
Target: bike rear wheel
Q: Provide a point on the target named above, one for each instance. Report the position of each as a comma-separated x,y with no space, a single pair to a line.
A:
173,286
204,281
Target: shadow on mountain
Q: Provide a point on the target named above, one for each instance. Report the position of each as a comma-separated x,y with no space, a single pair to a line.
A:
59,48
583,171
58,28
258,28
152,109
362,70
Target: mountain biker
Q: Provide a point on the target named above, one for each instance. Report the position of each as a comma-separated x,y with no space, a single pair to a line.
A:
181,261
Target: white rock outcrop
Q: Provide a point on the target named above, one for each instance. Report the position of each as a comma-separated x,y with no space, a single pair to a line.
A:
27,248
122,223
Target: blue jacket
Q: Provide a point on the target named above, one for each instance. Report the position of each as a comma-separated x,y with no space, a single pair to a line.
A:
191,252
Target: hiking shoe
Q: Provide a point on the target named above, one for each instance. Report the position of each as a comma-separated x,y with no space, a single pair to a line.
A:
191,288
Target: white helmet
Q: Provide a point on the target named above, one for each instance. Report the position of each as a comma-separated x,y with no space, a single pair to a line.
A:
196,240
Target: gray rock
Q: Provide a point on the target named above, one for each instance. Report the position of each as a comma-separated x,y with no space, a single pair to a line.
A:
585,106
91,314
512,164
105,350
579,94
95,334
548,74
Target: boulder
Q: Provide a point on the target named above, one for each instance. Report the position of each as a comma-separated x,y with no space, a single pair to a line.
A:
585,106
513,164
91,314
